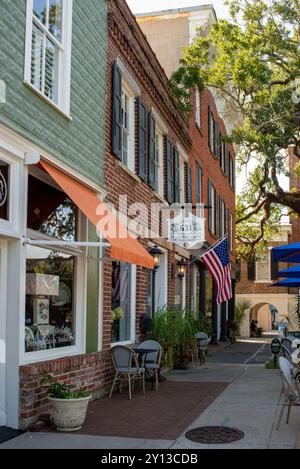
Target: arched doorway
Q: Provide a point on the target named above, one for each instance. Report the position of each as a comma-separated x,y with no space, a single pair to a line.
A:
264,316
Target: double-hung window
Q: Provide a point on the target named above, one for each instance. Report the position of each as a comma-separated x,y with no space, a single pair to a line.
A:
127,127
198,108
181,181
198,182
263,271
48,50
213,210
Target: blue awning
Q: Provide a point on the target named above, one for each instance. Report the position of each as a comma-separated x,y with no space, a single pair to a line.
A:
287,253
292,272
287,282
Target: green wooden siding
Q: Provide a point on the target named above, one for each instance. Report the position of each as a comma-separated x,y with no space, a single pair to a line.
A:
79,142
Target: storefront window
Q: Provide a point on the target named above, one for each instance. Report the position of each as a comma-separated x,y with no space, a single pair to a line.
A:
50,299
4,190
50,211
121,301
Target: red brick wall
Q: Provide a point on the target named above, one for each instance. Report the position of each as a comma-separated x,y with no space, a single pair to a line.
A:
211,169
80,372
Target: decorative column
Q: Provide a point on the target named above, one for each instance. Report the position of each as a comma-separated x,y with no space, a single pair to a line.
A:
214,319
223,337
202,293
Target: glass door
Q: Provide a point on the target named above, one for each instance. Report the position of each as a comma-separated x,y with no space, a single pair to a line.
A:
3,289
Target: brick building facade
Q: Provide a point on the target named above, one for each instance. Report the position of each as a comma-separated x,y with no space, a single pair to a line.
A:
212,159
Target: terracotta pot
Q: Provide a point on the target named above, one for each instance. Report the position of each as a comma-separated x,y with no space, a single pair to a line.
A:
69,414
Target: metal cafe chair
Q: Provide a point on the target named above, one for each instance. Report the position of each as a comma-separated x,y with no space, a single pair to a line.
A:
151,360
127,367
290,395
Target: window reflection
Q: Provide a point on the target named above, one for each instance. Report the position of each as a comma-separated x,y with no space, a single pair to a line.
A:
49,319
50,211
121,301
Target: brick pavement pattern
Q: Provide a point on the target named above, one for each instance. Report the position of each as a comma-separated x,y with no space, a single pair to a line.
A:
164,414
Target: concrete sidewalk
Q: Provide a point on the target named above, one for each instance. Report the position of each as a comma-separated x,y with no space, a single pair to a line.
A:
250,403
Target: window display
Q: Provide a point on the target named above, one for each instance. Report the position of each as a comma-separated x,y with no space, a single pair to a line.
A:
121,301
49,320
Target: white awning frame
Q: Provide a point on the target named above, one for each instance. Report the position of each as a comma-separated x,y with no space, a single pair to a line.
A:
73,244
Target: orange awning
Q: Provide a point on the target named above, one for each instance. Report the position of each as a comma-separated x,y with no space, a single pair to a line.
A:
123,247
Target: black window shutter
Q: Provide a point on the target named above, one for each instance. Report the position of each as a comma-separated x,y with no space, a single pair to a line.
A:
143,141
116,127
209,127
198,183
220,149
210,211
216,140
274,270
176,176
251,268
217,214
169,172
226,156
221,220
189,194
152,175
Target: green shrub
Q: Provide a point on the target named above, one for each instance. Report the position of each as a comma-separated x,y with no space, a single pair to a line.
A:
59,390
175,330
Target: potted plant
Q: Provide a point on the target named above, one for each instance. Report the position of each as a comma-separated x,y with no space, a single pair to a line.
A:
68,407
233,328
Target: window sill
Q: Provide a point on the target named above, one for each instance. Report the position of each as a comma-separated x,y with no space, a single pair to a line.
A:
263,281
47,100
128,171
50,354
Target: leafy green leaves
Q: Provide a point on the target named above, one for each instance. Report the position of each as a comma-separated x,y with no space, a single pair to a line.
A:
59,390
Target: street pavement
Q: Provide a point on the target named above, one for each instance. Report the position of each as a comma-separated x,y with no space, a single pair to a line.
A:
250,403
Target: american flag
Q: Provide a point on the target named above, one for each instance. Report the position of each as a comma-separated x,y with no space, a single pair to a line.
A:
217,261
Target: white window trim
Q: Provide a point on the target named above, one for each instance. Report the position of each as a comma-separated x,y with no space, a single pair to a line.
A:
132,311
3,315
80,288
11,226
131,111
64,81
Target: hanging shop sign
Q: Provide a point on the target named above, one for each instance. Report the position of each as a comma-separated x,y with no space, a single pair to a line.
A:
187,231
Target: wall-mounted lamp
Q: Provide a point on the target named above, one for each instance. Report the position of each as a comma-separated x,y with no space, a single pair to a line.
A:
181,268
156,253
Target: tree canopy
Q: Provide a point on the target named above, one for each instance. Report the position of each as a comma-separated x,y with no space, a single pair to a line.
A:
253,61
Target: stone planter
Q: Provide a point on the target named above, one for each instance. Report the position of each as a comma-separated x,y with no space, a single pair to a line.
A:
69,414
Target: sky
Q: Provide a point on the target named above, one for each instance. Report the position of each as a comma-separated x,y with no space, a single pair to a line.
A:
143,6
